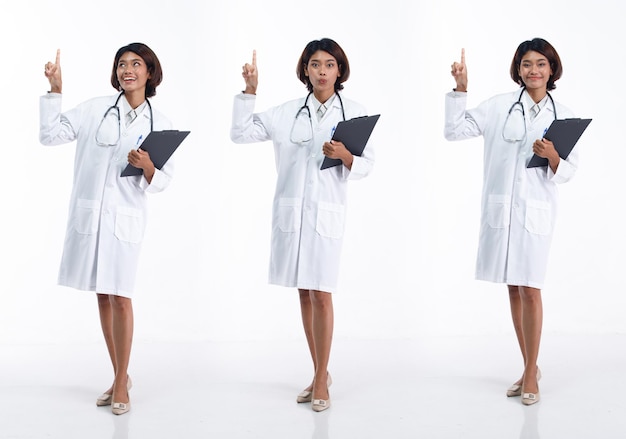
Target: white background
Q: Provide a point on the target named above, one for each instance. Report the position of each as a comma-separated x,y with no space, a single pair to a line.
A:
409,251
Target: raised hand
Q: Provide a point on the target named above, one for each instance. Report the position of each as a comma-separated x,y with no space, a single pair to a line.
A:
251,75
459,72
53,73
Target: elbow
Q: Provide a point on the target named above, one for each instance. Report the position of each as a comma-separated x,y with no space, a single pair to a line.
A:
45,139
236,137
449,135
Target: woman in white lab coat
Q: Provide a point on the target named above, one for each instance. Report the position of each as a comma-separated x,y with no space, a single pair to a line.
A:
309,204
519,204
107,212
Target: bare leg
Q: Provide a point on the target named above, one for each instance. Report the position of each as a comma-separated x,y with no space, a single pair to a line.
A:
516,314
323,321
532,321
307,321
122,310
106,322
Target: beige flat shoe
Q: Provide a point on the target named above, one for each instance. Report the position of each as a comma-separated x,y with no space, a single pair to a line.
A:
106,398
307,395
304,396
530,398
319,405
516,389
119,408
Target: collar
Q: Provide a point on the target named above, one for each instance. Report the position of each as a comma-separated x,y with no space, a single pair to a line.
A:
328,103
125,106
528,101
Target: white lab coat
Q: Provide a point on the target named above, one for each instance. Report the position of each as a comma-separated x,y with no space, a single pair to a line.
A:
107,213
309,210
519,204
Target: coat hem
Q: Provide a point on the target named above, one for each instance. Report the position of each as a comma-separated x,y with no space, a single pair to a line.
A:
521,283
96,290
304,286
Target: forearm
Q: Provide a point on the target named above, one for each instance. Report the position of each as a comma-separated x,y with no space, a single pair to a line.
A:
54,129
244,127
347,159
148,173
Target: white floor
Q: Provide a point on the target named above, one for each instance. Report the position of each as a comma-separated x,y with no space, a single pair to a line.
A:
428,388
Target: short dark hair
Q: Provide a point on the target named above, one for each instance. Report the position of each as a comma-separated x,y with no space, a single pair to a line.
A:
330,46
152,63
543,47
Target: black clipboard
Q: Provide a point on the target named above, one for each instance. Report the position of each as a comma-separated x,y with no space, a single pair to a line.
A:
564,133
160,145
354,133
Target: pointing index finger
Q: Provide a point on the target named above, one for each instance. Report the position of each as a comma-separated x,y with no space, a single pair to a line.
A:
463,56
254,58
58,58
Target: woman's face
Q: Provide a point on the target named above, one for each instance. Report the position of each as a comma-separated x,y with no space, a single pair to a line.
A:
323,71
132,72
535,70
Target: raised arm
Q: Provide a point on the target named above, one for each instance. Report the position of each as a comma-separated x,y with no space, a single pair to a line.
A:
460,123
53,73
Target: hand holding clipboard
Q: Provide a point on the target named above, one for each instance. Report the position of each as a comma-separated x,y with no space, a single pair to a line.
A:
563,133
160,145
354,134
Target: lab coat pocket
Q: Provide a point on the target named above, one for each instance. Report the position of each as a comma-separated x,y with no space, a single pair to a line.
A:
330,220
498,211
129,224
289,213
538,217
86,216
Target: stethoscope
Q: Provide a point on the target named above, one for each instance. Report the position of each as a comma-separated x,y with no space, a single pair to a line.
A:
113,112
521,106
307,134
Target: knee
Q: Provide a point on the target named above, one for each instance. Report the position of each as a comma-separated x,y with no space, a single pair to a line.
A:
320,299
513,291
120,303
530,295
